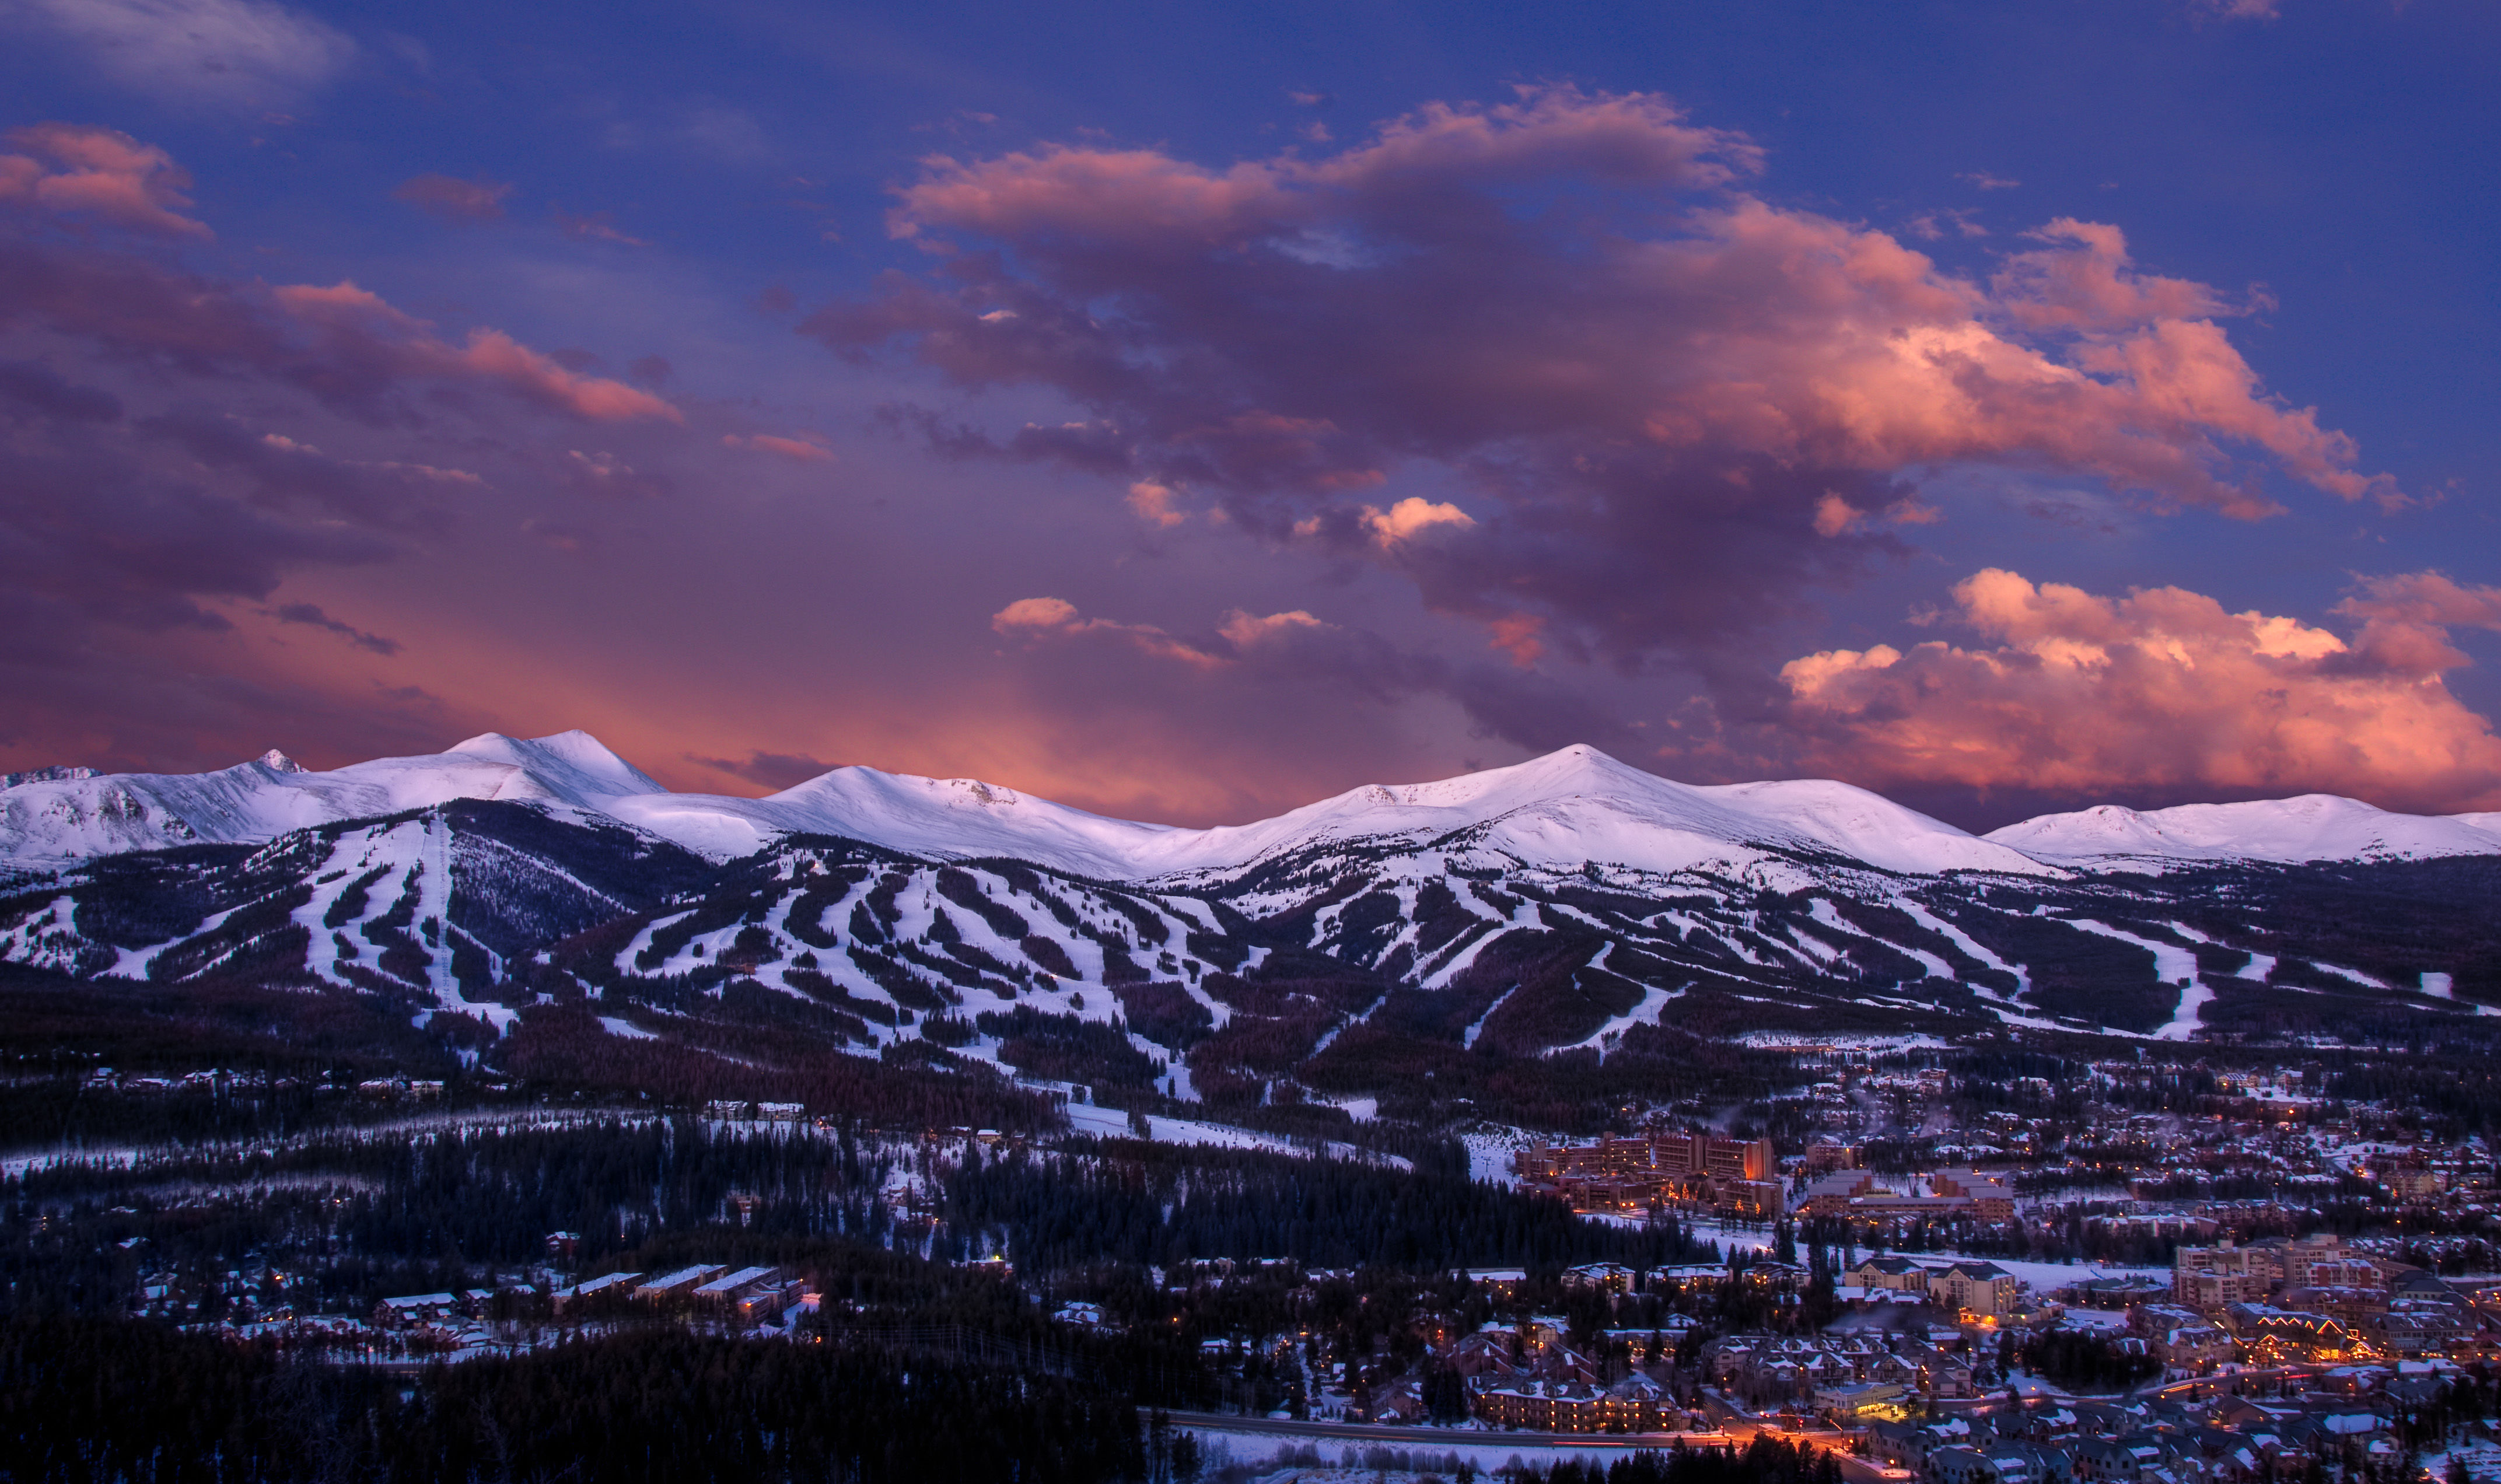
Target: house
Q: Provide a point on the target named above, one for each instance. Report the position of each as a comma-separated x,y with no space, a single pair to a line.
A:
1895,1273
1978,1288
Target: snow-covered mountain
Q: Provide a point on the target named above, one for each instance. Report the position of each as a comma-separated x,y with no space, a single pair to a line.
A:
1569,808
1357,946
52,821
2314,827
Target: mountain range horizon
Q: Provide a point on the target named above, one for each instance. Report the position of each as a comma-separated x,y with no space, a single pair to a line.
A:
62,815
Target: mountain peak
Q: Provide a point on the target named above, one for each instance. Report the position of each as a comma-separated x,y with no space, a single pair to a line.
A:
2307,827
279,762
574,764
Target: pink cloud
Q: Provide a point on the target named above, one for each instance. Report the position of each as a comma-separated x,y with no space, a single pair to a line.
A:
454,200
2083,280
362,325
1569,302
495,356
82,171
1153,504
2164,689
804,449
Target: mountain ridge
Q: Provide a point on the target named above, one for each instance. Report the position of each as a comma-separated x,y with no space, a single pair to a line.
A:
1573,806
1565,933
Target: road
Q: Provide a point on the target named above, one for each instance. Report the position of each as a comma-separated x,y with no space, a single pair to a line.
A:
1739,1434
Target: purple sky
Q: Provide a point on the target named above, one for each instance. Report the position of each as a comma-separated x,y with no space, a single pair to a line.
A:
1185,412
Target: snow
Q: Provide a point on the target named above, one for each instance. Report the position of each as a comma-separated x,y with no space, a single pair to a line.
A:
1113,1123
1476,1026
51,823
1567,808
1573,807
1966,942
2173,965
2314,827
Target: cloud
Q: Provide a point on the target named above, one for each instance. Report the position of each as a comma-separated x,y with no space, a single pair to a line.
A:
1034,618
2085,282
41,391
179,448
360,326
81,171
1410,519
2165,690
454,200
2237,10
234,52
596,226
344,344
775,771
1648,380
1981,180
806,449
1258,679
1153,503
1932,227
731,133
312,616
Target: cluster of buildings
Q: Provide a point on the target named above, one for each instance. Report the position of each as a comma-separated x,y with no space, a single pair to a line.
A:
1869,1200
748,1294
1848,1377
2311,1300
1528,1375
2347,1423
1970,1287
1657,1171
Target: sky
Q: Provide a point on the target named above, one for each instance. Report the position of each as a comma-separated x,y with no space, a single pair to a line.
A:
1186,412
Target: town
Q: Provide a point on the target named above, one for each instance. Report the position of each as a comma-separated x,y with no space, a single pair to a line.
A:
2155,1270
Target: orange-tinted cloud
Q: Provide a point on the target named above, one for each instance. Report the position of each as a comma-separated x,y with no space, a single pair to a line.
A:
2164,689
1057,618
102,175
1677,399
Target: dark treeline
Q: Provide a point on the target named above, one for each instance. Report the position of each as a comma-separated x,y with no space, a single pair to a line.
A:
1764,1461
356,1216
741,1052
2081,1360
363,1215
1144,1203
101,1398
